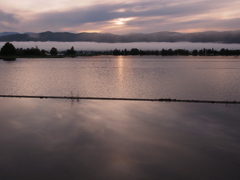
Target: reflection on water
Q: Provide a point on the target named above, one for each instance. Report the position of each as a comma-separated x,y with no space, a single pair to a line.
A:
51,139
203,78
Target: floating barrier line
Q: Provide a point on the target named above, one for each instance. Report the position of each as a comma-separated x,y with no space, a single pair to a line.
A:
121,99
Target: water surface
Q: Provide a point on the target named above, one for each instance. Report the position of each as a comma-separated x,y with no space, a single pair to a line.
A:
60,139
203,78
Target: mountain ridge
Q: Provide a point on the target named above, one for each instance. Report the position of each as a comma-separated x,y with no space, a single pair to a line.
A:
162,36
8,33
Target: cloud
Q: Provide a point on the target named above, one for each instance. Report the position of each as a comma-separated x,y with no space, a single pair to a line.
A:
7,21
185,26
147,16
7,18
106,12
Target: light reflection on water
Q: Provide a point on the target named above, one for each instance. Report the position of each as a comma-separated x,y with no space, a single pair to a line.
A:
204,78
90,139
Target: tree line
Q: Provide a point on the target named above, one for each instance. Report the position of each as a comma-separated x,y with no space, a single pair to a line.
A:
9,50
178,52
213,52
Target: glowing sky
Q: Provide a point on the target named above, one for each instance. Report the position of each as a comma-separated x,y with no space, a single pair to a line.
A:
118,16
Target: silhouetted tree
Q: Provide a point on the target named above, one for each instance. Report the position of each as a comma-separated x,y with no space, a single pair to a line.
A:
157,53
8,49
71,51
43,52
142,53
170,52
134,51
200,53
54,51
116,52
20,52
195,52
125,52
164,52
222,52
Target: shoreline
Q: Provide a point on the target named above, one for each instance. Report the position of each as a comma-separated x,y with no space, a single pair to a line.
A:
123,99
13,58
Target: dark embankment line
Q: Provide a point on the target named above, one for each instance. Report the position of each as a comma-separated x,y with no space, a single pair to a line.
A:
121,99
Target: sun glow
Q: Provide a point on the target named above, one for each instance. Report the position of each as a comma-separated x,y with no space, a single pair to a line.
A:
121,21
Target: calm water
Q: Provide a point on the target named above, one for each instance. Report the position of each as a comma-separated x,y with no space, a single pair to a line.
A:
208,78
59,139
45,139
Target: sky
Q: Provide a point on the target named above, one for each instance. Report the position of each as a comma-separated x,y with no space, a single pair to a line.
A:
119,16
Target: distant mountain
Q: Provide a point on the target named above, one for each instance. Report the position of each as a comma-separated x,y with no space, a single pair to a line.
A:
208,36
7,33
28,33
